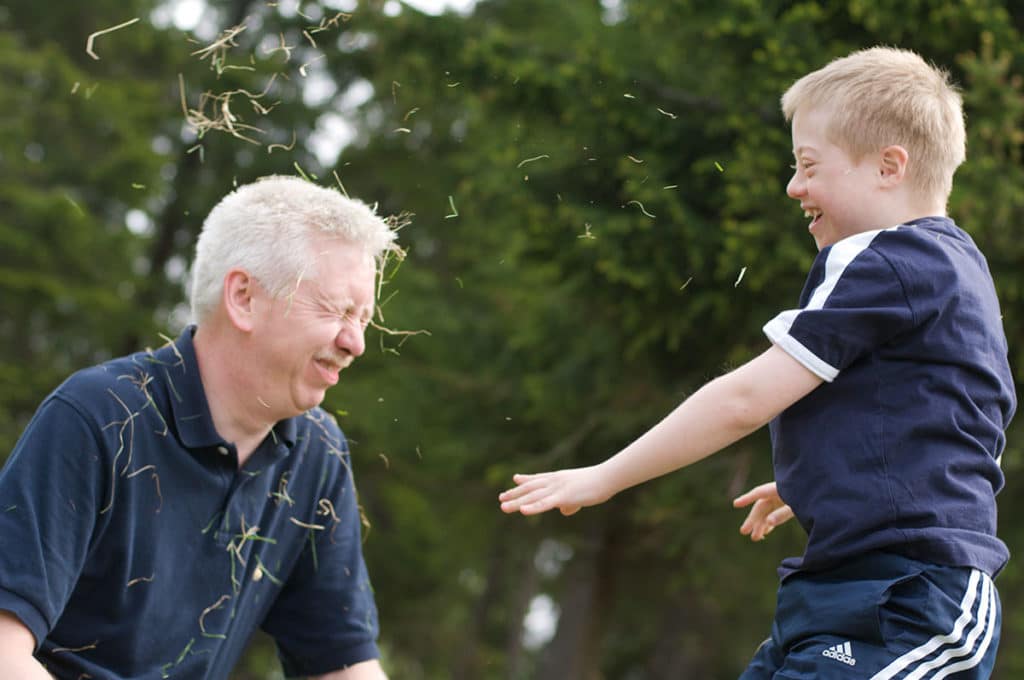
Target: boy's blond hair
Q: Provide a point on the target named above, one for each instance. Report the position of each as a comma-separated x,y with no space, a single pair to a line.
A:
883,96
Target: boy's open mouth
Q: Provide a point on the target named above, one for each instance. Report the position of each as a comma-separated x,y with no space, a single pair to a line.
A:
816,217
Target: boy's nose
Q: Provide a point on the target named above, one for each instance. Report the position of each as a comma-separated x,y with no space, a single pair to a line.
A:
795,188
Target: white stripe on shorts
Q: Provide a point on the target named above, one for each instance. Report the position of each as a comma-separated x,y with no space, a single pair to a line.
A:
982,648
985,622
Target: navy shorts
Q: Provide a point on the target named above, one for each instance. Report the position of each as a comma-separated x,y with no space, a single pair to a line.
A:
882,617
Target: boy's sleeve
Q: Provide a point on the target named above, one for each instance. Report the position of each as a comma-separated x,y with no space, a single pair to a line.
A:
325,617
50,491
858,306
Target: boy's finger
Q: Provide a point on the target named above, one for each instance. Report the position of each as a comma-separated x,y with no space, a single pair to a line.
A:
514,499
536,507
757,493
511,494
746,499
510,507
522,478
750,523
531,501
527,485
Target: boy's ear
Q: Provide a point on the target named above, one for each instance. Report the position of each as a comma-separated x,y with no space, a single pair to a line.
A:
893,164
238,298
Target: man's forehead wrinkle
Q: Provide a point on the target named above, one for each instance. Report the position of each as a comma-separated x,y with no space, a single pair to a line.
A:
342,304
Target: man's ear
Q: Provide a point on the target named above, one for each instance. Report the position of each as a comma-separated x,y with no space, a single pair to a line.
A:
893,164
239,298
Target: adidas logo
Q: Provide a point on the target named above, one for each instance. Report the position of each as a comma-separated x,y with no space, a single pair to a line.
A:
842,653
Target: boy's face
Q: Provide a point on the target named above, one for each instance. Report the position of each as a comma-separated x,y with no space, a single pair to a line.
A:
836,192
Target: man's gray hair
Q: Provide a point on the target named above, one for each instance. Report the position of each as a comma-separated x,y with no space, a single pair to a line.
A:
269,228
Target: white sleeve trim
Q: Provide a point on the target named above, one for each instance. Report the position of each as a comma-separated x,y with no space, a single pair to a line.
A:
840,256
777,331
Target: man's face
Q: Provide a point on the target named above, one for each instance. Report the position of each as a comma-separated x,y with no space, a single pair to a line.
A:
835,191
308,336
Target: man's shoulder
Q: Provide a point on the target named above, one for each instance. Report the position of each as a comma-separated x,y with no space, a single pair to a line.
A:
117,384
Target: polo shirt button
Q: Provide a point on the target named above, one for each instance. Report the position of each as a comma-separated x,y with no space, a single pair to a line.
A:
223,450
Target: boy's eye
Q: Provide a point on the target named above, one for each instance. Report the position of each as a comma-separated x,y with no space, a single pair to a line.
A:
805,166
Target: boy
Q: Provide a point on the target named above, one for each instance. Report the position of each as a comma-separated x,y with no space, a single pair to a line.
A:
888,392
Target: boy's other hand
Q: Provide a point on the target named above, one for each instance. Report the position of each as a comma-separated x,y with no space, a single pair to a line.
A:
567,490
769,511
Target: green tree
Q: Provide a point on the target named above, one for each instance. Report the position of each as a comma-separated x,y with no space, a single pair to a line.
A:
599,227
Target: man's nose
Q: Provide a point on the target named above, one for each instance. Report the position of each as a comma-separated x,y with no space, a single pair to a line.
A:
352,338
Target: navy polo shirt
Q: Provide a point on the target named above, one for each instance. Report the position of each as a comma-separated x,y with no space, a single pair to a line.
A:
134,546
899,449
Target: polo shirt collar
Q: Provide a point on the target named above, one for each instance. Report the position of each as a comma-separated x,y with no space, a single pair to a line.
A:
189,407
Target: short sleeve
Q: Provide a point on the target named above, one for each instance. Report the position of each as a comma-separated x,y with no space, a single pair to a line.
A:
325,617
50,496
855,304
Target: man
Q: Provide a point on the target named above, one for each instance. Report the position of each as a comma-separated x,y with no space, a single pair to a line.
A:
161,506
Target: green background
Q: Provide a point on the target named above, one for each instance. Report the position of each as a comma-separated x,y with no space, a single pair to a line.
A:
599,226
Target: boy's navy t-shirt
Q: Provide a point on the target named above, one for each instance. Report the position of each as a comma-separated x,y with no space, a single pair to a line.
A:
134,547
899,449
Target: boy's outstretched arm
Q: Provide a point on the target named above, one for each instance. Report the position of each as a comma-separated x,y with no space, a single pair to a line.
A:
721,412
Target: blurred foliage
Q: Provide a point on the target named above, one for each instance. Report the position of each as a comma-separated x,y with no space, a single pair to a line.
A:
600,226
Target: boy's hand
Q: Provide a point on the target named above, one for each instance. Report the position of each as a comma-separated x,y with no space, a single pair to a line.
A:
567,490
769,511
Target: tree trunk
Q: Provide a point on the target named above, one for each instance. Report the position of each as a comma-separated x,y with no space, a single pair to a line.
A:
676,652
525,590
469,661
575,651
